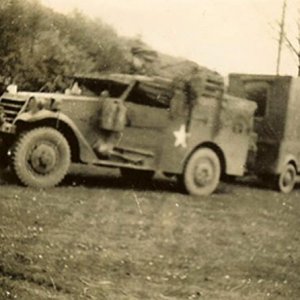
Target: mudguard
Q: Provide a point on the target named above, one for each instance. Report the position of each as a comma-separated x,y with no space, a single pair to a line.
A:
289,158
86,153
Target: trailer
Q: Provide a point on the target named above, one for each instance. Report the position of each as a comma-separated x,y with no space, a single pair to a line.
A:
277,125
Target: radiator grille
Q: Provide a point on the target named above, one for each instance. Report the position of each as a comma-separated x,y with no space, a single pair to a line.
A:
11,108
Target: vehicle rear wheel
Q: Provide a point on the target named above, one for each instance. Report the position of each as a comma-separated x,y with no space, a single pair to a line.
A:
202,172
41,157
287,179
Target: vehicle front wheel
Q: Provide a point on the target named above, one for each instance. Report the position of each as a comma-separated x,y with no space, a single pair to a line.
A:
41,157
202,172
287,179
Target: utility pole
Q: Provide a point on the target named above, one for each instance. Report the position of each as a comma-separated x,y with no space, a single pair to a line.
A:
281,36
298,54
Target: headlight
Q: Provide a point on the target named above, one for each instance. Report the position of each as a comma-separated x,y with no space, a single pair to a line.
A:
35,105
55,104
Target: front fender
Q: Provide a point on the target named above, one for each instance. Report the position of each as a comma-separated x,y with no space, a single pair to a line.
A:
33,117
56,119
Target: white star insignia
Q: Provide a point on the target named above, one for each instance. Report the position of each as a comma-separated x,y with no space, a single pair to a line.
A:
181,137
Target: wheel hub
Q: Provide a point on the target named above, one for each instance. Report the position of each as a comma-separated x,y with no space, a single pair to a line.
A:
203,173
43,158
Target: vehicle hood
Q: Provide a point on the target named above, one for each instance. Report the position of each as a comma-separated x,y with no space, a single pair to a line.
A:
57,96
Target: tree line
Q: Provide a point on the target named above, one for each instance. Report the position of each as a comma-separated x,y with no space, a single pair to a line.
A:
39,44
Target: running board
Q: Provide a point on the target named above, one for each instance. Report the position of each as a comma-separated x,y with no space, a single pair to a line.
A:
133,150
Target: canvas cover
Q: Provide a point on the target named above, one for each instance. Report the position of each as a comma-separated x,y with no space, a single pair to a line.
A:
156,90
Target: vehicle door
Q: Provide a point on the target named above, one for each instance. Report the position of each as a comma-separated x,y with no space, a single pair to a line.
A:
155,127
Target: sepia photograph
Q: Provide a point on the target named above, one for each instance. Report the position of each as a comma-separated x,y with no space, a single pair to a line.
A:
150,149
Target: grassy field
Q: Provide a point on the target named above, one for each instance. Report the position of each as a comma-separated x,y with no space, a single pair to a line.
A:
97,237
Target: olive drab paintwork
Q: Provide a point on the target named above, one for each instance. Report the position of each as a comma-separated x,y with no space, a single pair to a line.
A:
139,122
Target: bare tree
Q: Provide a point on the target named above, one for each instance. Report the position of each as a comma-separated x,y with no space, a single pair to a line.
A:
295,48
298,54
281,36
284,38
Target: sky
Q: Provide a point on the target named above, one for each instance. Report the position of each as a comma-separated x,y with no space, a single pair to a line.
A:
223,35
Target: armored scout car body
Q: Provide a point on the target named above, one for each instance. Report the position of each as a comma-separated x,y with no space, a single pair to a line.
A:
277,124
186,128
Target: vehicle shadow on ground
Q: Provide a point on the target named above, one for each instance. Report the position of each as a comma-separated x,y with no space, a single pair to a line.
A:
106,179
117,182
158,184
256,183
248,181
113,180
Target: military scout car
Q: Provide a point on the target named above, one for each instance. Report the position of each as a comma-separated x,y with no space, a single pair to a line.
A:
186,128
277,124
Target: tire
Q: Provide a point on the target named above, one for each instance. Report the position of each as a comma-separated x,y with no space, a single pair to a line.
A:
136,176
287,179
202,172
41,157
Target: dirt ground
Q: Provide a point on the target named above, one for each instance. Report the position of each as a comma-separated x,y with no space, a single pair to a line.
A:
98,237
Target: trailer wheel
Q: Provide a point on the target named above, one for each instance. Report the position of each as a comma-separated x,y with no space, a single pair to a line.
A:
287,179
41,157
202,172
